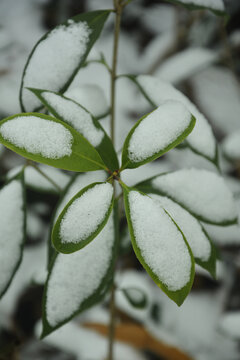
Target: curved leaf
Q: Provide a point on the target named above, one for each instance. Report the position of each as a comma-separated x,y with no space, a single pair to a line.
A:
217,7
59,54
202,247
159,245
50,141
12,229
83,218
135,296
156,91
80,280
82,121
156,133
203,193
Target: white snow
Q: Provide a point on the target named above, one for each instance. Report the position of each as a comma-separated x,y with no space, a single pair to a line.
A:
34,179
185,63
11,229
76,116
91,97
160,242
231,146
190,227
230,324
47,68
75,277
212,4
201,138
217,92
86,213
38,136
78,184
135,294
158,130
203,192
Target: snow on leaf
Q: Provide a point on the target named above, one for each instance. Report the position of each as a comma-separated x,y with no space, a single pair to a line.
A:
82,121
83,217
37,181
230,324
91,97
59,54
12,230
231,146
47,140
203,193
157,91
202,249
135,296
156,133
159,245
77,281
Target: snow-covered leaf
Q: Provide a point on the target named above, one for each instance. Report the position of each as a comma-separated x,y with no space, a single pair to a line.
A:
80,280
203,193
36,181
230,324
83,217
50,141
156,133
159,245
12,229
135,296
231,146
197,238
157,91
216,6
91,97
82,121
58,55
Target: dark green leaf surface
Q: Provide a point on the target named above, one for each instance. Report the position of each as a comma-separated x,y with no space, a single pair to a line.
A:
84,157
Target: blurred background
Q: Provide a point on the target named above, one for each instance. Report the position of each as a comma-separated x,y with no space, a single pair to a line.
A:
201,57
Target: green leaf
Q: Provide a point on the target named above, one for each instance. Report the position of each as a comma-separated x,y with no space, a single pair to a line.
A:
155,237
136,297
197,6
59,54
50,141
12,229
78,281
156,133
156,91
83,218
202,193
202,247
82,121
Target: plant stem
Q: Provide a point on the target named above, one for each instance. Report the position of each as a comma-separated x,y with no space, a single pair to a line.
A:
118,6
45,176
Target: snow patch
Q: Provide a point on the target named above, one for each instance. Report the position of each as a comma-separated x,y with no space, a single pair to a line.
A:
38,136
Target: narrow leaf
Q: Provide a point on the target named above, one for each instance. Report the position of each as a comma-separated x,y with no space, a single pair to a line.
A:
159,245
59,54
12,229
197,238
82,121
203,193
83,218
50,141
156,91
156,133
136,297
217,6
80,280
